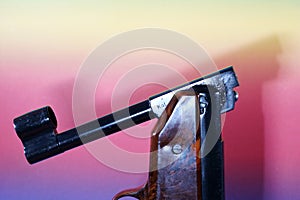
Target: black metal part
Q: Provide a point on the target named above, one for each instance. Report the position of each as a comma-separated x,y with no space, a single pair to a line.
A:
37,130
212,164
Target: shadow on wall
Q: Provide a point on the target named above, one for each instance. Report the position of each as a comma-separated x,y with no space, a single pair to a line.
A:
243,133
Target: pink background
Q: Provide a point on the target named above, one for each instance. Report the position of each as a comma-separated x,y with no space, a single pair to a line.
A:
43,45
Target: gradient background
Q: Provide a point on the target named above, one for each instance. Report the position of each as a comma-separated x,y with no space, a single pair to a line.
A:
43,44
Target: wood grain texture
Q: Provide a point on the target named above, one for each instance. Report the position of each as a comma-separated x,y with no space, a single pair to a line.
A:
175,169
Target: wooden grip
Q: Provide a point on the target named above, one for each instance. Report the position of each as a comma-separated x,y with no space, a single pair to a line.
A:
175,169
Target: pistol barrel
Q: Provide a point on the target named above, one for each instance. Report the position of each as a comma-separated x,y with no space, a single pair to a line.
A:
37,129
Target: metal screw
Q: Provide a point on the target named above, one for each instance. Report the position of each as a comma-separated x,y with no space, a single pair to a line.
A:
177,149
203,103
